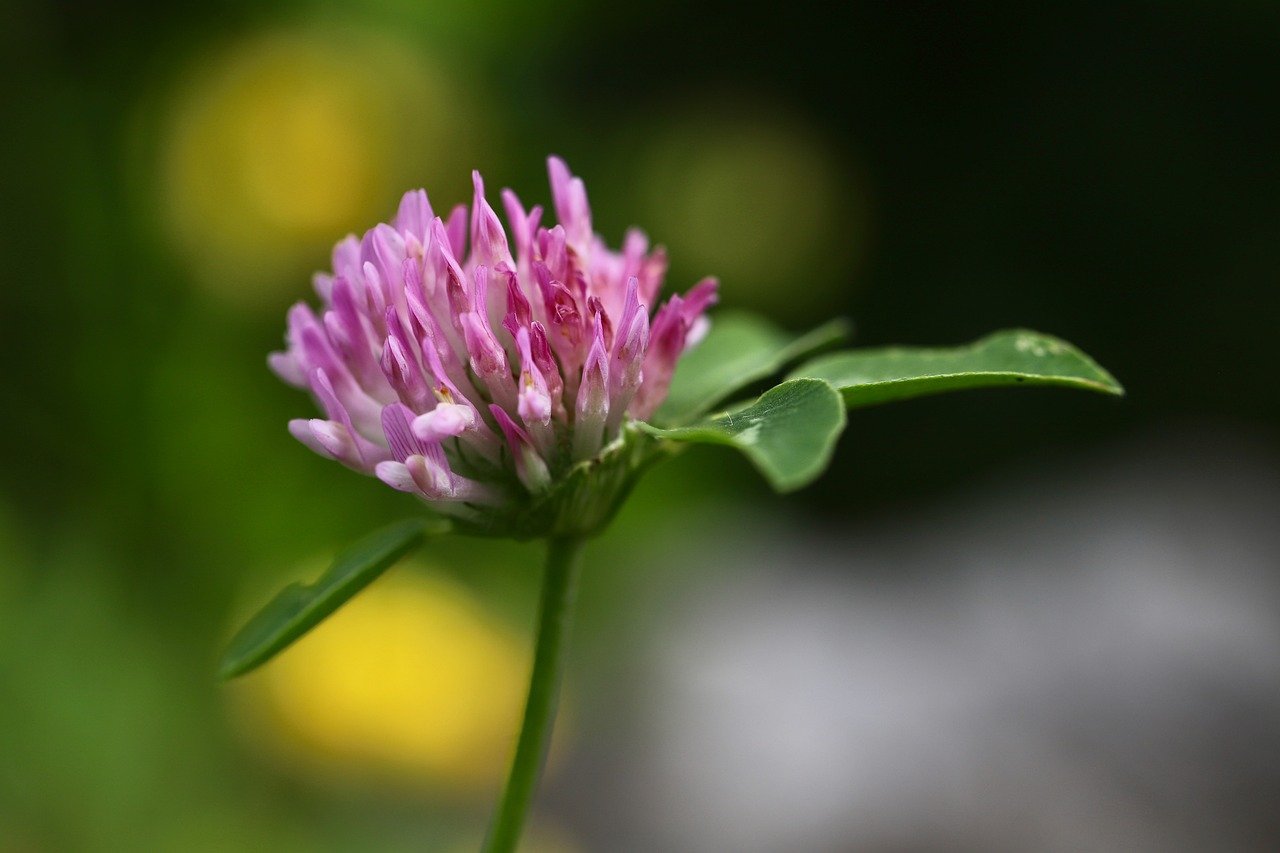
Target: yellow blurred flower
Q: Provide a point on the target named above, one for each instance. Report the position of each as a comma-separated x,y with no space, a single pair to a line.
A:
413,677
280,142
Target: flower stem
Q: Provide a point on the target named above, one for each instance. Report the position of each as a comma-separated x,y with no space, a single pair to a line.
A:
559,588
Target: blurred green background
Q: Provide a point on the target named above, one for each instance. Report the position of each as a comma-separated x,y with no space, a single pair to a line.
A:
174,173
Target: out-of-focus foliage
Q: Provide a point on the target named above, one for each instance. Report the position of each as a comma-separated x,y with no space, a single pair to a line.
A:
299,607
174,173
414,678
754,195
275,144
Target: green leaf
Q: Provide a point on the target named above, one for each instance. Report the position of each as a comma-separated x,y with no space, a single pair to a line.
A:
788,433
1017,356
298,608
739,349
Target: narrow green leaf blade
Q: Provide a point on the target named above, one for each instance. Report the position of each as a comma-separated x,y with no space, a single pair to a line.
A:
788,433
1012,357
740,349
298,608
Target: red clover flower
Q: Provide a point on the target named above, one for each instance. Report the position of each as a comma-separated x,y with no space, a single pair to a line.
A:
473,373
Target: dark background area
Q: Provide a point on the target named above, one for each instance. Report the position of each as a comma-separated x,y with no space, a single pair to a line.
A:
172,174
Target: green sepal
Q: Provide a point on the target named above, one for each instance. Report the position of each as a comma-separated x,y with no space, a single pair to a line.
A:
581,501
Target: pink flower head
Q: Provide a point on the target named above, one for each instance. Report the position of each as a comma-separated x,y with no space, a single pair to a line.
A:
463,374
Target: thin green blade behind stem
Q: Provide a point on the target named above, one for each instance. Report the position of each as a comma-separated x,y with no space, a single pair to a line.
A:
298,608
559,589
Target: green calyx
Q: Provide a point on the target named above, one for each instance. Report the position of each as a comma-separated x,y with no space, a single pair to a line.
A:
580,502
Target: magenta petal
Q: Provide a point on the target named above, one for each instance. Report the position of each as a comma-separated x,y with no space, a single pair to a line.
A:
667,339
593,397
488,359
560,178
521,228
445,421
414,215
634,246
397,476
488,240
335,439
456,229
447,275
517,303
701,297
535,400
375,291
547,365
593,393
396,420
346,257
535,220
652,272
301,429
563,315
531,469
287,367
555,252
631,308
595,307
401,367
350,330
407,359
322,284
570,197
431,474
669,328
628,356
365,453
445,389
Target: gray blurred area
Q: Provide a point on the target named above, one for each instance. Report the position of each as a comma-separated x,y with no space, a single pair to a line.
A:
1084,656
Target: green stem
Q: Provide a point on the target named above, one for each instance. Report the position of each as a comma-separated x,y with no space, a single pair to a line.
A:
559,588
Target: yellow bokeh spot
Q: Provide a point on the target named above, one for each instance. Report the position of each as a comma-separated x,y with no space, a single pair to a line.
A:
305,163
413,676
279,145
757,198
